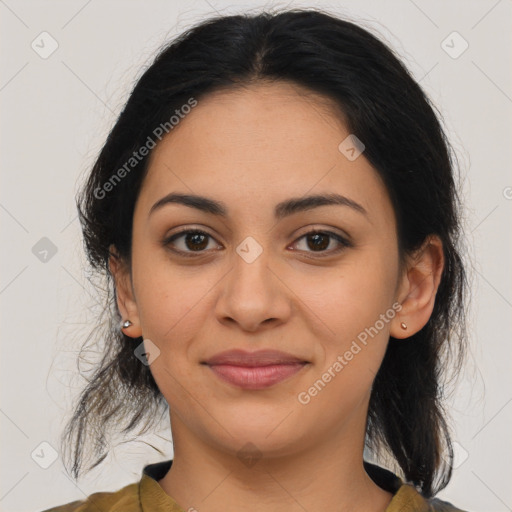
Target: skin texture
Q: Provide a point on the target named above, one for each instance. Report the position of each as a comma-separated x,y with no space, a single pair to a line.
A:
252,148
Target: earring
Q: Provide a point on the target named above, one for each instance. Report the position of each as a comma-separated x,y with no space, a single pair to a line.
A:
126,324
403,326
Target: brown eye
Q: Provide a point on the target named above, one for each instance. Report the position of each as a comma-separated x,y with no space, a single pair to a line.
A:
190,241
196,241
319,241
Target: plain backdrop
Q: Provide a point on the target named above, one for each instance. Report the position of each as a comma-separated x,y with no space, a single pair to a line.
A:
56,110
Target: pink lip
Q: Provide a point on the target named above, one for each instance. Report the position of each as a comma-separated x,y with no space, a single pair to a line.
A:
256,377
255,370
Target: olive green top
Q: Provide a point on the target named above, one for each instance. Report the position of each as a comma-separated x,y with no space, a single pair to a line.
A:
147,495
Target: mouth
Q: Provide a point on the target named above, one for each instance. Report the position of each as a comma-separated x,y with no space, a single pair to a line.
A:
256,370
256,377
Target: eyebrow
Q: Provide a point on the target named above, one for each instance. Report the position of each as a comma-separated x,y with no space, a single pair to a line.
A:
283,209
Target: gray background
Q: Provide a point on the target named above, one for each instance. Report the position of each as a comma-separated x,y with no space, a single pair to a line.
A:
56,113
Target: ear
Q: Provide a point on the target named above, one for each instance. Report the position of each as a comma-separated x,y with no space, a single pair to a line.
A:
418,287
124,293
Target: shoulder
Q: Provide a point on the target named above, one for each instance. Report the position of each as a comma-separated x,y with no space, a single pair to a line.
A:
128,499
123,500
408,498
437,505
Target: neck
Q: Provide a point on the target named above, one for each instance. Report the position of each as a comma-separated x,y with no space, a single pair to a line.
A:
328,477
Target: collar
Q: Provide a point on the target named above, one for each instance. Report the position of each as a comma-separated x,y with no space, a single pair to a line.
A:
382,477
405,496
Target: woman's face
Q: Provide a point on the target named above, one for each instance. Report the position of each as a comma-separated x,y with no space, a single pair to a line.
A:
253,279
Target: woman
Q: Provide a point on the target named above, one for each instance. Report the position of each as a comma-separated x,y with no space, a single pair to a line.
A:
275,210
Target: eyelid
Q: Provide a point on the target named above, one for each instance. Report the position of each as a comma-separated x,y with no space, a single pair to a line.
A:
343,241
335,232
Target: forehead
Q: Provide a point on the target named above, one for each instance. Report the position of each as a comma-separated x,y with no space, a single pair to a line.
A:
259,144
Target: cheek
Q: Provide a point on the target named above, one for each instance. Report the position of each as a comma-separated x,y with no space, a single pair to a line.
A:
355,295
172,301
171,308
356,306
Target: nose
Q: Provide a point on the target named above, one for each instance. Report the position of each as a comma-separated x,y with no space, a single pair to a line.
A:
254,295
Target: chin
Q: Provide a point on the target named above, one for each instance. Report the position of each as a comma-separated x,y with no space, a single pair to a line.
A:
259,437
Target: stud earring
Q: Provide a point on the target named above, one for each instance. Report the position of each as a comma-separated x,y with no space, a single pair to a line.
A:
126,324
403,326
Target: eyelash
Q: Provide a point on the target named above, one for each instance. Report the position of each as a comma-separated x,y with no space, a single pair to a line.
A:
344,243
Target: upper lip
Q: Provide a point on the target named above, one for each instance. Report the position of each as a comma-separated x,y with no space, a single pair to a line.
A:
258,358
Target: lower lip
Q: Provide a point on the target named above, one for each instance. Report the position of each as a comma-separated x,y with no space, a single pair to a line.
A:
258,377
